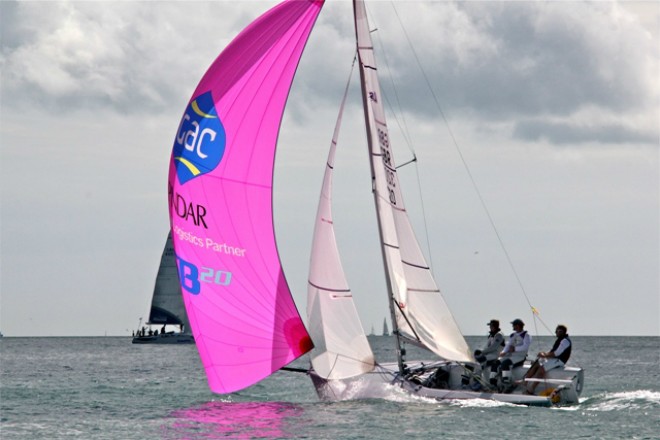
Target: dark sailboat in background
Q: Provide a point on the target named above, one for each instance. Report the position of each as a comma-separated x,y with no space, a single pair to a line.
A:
167,307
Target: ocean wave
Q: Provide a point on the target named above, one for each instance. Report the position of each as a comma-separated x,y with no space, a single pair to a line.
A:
638,400
393,393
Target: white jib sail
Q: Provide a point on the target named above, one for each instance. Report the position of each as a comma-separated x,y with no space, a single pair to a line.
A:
341,349
421,312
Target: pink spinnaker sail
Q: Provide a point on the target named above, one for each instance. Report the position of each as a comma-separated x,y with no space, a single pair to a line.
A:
244,320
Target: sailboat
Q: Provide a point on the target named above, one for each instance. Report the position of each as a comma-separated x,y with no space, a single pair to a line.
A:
167,307
244,320
386,330
420,315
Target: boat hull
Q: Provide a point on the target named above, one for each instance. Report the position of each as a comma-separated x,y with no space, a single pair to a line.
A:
561,387
167,338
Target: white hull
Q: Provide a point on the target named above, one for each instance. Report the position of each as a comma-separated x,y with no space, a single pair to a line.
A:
567,383
167,338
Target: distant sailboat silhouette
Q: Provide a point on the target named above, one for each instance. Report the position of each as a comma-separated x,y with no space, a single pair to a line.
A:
386,331
166,305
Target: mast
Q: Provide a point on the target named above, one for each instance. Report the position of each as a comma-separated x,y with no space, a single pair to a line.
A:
372,93
419,312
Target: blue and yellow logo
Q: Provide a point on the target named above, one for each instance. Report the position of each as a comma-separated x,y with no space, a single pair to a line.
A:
200,140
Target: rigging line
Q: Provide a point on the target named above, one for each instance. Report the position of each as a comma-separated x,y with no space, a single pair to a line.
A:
536,315
465,165
414,159
408,322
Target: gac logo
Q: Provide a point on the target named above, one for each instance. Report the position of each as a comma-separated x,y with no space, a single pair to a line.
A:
200,141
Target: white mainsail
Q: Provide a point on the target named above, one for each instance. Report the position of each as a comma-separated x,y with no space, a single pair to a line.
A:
341,349
420,312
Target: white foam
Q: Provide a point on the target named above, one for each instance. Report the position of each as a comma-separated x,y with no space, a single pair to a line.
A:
478,403
639,399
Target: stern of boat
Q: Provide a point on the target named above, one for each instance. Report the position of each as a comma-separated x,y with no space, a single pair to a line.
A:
563,385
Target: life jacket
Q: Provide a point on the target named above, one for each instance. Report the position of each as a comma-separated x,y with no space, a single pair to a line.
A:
519,338
491,338
566,353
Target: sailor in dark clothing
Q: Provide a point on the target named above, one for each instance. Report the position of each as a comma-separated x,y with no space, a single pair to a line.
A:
556,357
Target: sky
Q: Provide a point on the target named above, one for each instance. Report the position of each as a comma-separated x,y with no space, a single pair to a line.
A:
554,107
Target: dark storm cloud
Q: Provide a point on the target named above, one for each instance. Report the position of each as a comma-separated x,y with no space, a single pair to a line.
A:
523,63
568,134
521,57
490,61
122,56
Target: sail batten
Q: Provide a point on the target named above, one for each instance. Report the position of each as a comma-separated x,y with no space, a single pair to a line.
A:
328,289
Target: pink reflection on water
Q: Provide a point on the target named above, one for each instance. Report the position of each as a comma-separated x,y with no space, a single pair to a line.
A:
235,420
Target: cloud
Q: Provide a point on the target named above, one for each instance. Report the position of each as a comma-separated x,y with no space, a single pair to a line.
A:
128,56
562,133
531,64
518,58
526,65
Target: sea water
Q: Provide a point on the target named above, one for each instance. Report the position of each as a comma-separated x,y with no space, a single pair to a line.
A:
108,388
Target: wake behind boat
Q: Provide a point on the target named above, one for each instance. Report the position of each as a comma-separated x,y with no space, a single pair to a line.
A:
243,317
168,322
